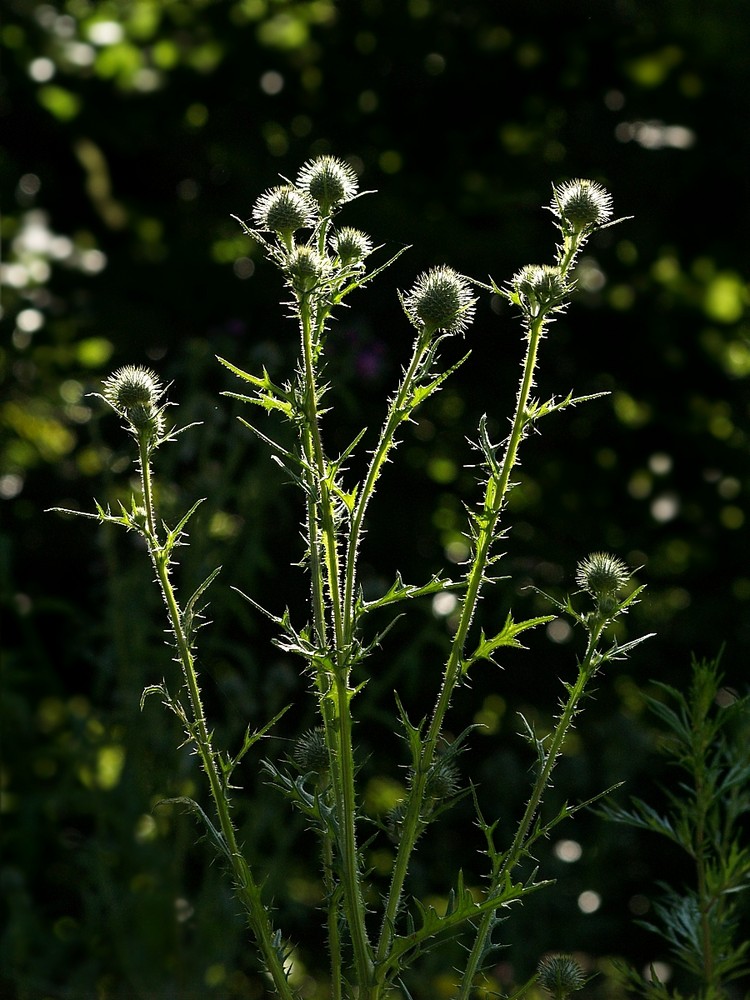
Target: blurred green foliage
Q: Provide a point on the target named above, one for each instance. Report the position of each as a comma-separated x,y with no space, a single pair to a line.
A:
130,132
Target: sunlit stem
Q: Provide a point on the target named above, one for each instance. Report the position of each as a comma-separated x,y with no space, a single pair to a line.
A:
334,691
572,244
516,851
397,412
247,888
494,499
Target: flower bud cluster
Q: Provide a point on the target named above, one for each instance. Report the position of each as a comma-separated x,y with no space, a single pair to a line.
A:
284,210
311,266
443,782
439,300
135,393
322,186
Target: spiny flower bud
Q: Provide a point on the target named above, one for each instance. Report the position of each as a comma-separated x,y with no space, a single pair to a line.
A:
395,820
350,245
329,182
284,210
306,268
539,287
440,299
131,387
560,975
147,419
602,574
581,206
134,392
443,780
310,753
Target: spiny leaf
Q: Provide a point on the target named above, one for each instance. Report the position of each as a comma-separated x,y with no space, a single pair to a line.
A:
507,636
413,733
288,456
249,741
174,534
192,612
643,817
400,591
488,448
462,908
366,278
422,392
214,835
537,410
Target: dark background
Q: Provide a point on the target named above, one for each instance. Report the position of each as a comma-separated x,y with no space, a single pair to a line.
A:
130,132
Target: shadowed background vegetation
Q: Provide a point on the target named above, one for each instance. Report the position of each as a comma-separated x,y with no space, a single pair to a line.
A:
131,130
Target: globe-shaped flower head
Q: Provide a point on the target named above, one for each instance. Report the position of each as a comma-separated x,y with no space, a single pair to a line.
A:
351,246
329,182
134,392
440,299
306,268
130,387
284,210
602,574
561,975
538,287
581,206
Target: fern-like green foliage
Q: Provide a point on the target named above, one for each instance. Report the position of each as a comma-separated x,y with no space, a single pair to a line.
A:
708,742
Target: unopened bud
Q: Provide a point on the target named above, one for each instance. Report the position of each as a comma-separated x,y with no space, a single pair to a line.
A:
351,246
602,575
561,975
284,210
539,287
581,206
329,182
310,753
441,299
130,388
306,268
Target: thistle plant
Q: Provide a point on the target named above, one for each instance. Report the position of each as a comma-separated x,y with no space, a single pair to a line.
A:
706,739
321,266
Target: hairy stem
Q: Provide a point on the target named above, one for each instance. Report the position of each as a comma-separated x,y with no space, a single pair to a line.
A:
397,413
334,691
495,494
517,849
247,888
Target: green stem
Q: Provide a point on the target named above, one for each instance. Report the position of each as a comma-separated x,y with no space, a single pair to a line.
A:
397,413
335,688
495,495
517,849
247,888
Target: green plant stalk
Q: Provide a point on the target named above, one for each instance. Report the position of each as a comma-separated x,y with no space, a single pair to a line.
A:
517,848
495,494
397,412
248,890
335,688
